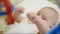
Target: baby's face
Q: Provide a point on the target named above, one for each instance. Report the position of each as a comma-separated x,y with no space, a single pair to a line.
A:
49,15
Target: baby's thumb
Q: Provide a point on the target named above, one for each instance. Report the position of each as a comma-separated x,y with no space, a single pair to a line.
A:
31,15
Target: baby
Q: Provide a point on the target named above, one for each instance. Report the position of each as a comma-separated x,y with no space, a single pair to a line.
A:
45,19
25,25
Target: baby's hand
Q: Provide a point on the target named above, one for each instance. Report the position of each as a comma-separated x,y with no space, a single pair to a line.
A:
19,10
34,18
40,23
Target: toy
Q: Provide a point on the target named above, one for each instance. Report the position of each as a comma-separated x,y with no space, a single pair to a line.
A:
6,17
8,11
9,7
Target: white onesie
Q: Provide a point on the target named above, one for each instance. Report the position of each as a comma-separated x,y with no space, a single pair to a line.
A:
30,5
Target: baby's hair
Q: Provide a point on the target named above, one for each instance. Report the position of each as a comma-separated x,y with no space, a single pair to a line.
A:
54,11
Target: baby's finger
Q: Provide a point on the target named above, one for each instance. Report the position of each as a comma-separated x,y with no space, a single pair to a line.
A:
30,15
20,9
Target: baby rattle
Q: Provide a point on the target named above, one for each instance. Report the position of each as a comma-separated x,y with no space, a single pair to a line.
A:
6,17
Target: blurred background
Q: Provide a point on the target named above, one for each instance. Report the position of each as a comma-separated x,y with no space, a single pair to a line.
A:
16,1
55,2
19,1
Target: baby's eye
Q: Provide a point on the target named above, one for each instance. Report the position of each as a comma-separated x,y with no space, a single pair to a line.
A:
44,17
38,13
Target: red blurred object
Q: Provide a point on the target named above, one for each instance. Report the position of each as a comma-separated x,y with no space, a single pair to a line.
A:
10,18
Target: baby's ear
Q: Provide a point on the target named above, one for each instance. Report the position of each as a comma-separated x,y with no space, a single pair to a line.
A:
51,26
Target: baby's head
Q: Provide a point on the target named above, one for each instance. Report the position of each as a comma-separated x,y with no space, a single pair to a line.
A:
49,14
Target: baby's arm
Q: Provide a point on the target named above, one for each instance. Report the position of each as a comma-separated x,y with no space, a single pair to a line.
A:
40,23
19,10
